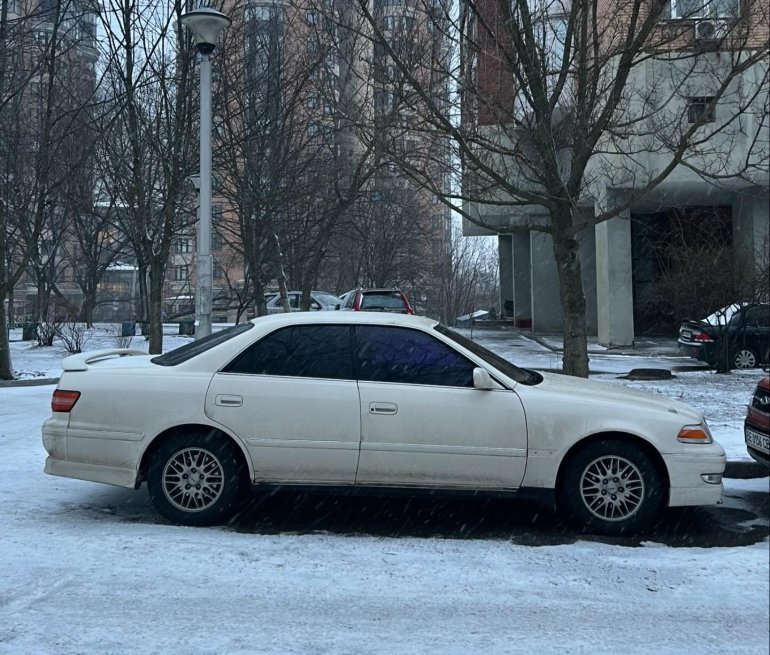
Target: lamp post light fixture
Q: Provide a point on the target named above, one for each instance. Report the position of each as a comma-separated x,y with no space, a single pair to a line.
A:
206,24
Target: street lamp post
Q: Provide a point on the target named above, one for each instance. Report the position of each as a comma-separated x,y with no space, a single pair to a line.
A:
206,24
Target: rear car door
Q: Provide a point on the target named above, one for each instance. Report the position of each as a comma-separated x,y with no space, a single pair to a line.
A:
424,424
293,399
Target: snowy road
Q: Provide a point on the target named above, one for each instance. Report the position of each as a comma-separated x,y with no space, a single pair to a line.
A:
88,568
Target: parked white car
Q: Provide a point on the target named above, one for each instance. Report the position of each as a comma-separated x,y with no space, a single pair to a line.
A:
319,301
357,399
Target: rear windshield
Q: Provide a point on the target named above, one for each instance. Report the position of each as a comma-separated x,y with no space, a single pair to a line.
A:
522,375
194,348
382,300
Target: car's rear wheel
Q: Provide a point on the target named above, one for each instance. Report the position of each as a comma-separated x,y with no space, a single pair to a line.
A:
611,487
195,479
744,358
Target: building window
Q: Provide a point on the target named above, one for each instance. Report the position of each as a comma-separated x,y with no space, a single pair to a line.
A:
183,246
181,273
14,7
260,13
313,100
701,110
705,8
311,16
313,129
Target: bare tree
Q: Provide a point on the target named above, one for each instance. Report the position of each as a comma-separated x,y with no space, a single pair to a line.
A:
150,145
41,106
291,168
561,104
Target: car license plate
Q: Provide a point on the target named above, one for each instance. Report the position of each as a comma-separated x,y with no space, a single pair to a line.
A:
686,334
757,440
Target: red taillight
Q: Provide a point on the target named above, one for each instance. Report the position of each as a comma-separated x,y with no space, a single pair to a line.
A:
64,401
702,336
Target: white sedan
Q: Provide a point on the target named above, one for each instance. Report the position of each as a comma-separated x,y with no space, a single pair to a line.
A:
370,400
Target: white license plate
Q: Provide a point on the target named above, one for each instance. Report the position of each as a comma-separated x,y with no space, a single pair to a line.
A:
686,334
757,440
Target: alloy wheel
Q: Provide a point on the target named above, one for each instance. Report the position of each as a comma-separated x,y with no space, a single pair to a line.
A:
193,479
612,488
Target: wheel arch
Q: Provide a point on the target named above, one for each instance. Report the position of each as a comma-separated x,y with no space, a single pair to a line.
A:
645,446
193,428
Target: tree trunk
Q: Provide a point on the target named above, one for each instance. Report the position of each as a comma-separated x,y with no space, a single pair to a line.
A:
88,306
157,271
6,370
567,252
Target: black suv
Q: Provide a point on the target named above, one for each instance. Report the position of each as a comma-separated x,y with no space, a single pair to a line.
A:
734,337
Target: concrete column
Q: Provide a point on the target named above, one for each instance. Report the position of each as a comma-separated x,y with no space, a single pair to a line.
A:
546,301
522,280
614,282
751,238
505,253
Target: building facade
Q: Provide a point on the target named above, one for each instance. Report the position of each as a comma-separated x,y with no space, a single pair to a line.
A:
702,73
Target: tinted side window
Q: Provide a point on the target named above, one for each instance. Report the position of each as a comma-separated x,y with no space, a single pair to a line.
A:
190,350
311,351
392,354
758,316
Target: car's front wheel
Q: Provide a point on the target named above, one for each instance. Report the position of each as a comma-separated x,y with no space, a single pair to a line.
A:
744,358
611,487
195,479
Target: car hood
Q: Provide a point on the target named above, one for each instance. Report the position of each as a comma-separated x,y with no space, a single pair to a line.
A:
580,390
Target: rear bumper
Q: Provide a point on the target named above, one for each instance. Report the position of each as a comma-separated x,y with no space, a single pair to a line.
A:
90,455
92,472
700,352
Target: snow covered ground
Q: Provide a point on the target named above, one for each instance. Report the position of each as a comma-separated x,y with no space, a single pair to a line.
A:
87,568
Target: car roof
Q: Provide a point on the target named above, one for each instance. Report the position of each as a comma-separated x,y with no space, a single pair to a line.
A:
345,318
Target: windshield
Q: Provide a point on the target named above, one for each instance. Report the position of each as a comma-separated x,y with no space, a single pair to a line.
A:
521,375
194,348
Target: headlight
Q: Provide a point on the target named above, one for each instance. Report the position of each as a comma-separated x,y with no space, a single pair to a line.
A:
695,434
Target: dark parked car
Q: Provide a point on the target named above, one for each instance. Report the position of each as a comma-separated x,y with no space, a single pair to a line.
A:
756,429
737,336
376,300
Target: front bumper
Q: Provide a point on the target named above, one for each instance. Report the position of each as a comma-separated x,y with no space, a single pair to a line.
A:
688,486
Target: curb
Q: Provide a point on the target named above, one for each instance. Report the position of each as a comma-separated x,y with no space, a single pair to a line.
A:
34,382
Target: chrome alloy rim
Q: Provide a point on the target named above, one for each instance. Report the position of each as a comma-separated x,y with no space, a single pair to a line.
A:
744,359
612,488
193,480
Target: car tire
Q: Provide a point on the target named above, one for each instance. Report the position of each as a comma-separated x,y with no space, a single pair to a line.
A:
745,358
611,487
196,479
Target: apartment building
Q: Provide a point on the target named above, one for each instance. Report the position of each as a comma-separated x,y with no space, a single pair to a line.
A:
319,104
701,70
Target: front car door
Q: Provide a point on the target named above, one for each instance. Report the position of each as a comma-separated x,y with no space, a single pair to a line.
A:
424,424
292,398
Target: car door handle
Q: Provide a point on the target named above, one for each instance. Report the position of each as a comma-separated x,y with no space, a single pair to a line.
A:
229,401
383,408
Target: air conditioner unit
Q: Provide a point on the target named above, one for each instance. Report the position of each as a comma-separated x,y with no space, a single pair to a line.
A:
710,30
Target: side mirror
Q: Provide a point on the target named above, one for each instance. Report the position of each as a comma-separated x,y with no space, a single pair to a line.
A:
315,306
482,379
